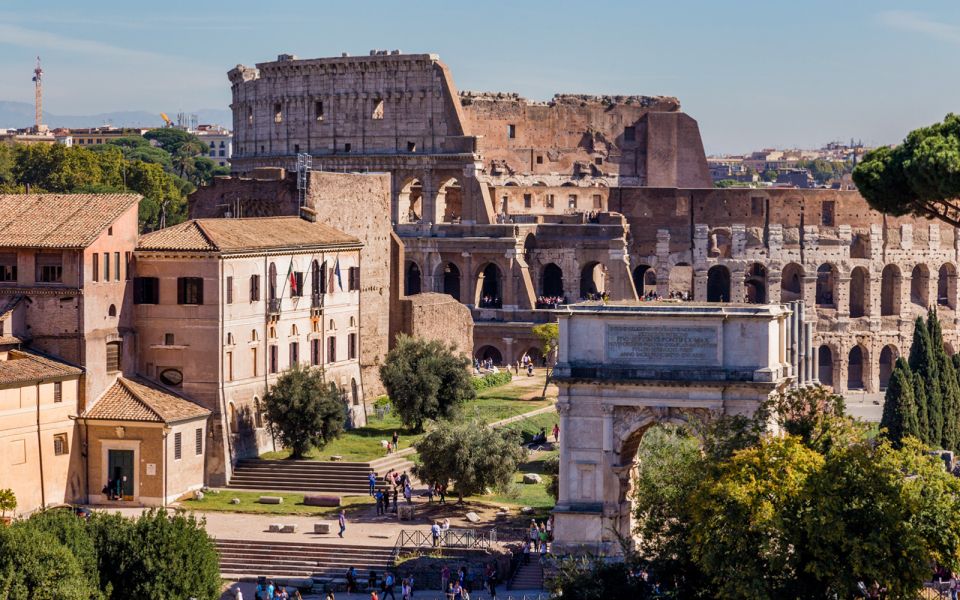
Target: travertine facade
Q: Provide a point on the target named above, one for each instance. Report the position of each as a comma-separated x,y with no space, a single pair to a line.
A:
501,201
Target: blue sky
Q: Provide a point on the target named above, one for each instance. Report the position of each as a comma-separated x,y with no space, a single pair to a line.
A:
753,73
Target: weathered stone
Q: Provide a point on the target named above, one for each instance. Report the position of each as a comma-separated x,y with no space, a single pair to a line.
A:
472,517
235,501
270,500
531,478
321,500
321,527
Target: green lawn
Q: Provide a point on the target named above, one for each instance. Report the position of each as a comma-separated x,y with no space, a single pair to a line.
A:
534,495
292,504
363,443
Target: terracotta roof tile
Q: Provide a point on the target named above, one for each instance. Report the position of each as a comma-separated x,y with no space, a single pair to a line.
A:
58,220
139,400
23,366
238,235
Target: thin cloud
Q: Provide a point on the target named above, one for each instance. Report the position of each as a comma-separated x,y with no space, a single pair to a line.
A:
916,22
13,35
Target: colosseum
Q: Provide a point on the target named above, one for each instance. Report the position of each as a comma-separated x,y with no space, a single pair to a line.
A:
511,206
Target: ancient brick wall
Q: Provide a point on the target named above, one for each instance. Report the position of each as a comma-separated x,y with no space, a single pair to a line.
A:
438,317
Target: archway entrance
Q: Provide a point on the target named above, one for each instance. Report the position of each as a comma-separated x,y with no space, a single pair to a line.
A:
859,292
718,284
489,288
410,202
888,356
449,202
489,352
826,286
680,281
755,283
413,279
890,291
791,283
825,365
855,370
451,280
591,280
551,283
640,279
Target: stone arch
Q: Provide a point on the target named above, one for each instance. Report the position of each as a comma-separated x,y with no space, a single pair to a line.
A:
718,284
888,357
551,281
639,279
947,286
791,283
489,351
529,247
856,368
489,287
591,279
112,311
449,201
825,365
680,280
536,356
450,279
920,285
413,281
859,292
826,285
755,284
410,201
890,281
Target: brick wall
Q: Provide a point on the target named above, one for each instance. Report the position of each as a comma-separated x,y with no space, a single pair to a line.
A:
438,317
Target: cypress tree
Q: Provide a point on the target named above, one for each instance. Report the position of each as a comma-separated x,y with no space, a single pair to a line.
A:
946,382
920,391
923,364
899,410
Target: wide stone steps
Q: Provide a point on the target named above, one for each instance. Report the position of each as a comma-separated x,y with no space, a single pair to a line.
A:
313,476
245,559
528,577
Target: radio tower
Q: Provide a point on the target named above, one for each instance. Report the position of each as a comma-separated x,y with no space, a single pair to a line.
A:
38,98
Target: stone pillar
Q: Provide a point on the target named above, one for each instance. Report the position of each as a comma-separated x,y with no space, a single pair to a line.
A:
563,410
509,356
774,280
801,346
607,429
795,340
738,292
808,347
842,298
700,286
467,281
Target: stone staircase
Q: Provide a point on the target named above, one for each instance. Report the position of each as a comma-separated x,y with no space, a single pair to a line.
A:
348,478
324,563
528,577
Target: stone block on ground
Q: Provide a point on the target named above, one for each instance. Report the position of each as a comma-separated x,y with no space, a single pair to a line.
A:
336,458
235,501
527,510
531,478
473,517
321,500
405,512
290,528
321,527
270,500
274,527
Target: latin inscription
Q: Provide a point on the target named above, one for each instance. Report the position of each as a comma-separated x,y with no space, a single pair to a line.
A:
673,346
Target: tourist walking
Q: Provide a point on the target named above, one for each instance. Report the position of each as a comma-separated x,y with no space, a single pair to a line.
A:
388,583
379,499
534,534
444,577
351,580
492,580
342,521
556,433
435,534
372,479
408,493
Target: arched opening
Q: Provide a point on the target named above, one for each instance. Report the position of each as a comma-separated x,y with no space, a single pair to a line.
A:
489,287
591,281
451,280
551,282
639,279
410,202
354,392
413,280
680,281
855,364
536,356
272,282
112,311
920,286
947,286
826,285
791,283
888,356
234,421
755,284
491,353
825,365
718,284
257,413
529,246
859,292
890,291
449,201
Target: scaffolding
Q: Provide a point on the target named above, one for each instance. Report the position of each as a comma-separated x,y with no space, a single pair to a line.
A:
304,164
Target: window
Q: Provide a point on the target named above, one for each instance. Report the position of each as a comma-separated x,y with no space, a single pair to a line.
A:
96,266
296,284
331,349
278,113
756,206
8,266
319,275
572,201
169,339
527,200
199,441
597,201
294,353
315,352
250,115
352,346
598,161
318,109
539,159
346,147
549,200
511,131
827,214
116,266
229,366
256,363
49,267
112,311
189,290
146,290
126,261
411,146
60,444
296,148
177,446
377,109
254,288
106,266
113,357
354,278
229,290
630,134
273,359
57,391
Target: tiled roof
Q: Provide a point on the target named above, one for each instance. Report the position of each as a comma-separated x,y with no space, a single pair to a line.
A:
9,303
58,220
238,235
138,400
22,366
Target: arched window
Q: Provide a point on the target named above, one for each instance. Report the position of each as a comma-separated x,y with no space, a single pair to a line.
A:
755,283
353,321
409,201
859,292
826,285
489,290
825,365
551,282
888,356
947,286
451,280
230,341
890,291
112,311
639,279
254,336
718,284
855,368
413,279
332,326
591,280
791,283
920,286
294,331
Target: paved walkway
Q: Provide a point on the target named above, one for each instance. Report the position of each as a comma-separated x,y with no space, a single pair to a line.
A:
502,594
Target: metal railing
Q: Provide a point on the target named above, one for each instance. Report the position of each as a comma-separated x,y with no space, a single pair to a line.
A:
451,538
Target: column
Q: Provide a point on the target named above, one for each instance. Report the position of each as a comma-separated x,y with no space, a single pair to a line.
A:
607,428
808,359
563,410
795,340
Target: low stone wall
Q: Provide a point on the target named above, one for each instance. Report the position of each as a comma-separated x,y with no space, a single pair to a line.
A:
437,317
425,565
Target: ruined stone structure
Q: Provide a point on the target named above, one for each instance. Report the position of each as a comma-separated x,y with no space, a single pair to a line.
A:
500,201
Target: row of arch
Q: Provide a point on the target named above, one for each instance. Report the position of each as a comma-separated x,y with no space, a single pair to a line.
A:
447,205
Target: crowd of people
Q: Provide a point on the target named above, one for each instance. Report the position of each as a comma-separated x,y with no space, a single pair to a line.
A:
484,365
394,485
596,297
539,537
487,301
550,301
653,296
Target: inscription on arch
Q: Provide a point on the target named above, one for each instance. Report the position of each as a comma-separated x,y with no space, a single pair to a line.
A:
663,346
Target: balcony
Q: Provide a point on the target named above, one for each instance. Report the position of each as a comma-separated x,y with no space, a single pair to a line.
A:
273,307
316,304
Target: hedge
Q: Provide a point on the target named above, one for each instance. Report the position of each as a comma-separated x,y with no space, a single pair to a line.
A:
491,380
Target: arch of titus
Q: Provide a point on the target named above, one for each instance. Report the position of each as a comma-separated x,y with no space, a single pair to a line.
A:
625,368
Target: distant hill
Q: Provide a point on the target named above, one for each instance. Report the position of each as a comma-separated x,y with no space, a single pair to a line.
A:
14,115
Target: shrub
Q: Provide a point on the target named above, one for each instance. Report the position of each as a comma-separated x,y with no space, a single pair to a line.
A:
303,410
491,380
